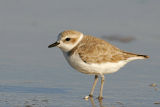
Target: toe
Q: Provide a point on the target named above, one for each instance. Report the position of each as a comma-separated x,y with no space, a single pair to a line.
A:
86,97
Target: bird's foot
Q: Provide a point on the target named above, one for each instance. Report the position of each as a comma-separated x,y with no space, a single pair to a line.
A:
100,98
87,97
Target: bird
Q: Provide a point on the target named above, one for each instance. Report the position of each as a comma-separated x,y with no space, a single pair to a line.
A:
91,55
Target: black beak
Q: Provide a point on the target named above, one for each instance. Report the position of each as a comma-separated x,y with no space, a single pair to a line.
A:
53,45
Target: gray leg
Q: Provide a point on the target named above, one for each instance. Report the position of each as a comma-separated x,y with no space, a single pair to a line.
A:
94,85
101,89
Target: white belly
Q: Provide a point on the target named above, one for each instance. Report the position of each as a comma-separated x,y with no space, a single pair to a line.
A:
104,68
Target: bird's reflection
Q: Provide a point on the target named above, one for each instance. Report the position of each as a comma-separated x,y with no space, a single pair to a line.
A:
99,103
93,103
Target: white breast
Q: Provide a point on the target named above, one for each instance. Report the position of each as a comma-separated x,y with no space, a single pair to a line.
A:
104,68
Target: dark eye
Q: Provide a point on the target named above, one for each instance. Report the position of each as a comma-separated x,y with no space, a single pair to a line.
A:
68,39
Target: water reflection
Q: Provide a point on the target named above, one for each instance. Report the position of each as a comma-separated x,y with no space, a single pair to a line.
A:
93,103
99,103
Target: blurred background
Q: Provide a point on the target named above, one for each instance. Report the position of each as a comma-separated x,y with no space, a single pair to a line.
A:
32,74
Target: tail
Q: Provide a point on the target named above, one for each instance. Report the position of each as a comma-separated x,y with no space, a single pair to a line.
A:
135,56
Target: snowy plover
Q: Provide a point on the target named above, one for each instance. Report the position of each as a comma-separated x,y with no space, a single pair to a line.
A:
91,55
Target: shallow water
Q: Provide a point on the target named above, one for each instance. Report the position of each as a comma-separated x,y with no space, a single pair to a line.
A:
31,75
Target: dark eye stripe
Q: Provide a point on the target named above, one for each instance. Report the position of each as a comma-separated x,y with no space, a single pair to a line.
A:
68,39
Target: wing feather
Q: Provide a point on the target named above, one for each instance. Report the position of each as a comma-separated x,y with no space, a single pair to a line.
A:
95,50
